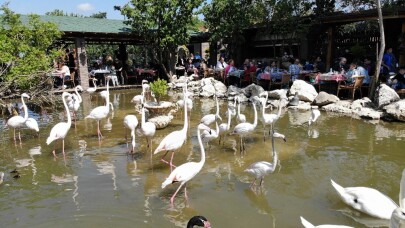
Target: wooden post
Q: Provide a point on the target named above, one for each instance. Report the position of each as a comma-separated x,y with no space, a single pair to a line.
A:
329,52
82,62
402,52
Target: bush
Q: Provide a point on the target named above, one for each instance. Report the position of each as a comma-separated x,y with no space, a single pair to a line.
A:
159,88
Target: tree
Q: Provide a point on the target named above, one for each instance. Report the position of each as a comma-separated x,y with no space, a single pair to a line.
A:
101,15
25,50
58,12
163,24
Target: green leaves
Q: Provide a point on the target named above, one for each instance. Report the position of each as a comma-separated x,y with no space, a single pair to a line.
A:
159,88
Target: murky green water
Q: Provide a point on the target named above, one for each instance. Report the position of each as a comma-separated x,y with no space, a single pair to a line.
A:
98,185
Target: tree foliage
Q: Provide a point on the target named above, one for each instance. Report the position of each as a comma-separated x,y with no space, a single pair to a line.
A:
163,23
25,48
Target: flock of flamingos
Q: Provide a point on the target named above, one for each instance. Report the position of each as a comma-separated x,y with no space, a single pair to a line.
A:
364,199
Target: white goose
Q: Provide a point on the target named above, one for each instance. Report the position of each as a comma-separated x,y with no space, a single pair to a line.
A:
60,130
210,118
101,112
240,117
244,129
367,200
307,224
174,140
148,129
18,121
187,171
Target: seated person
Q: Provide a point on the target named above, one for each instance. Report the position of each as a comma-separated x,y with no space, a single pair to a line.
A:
308,66
64,71
399,79
190,68
221,64
294,69
341,66
357,70
252,69
229,73
319,65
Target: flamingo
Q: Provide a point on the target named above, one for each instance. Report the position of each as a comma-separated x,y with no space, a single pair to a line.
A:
101,112
263,168
74,103
307,224
225,127
210,135
211,118
198,221
240,117
137,99
32,124
367,200
104,94
60,130
1,177
187,171
315,113
269,119
19,121
189,102
244,129
91,90
131,122
174,140
148,129
398,216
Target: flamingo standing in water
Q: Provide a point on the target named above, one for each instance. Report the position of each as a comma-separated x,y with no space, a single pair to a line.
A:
187,171
225,127
208,136
211,118
269,119
19,121
32,124
174,140
74,103
148,129
244,129
60,130
91,90
130,122
240,117
315,113
263,168
101,112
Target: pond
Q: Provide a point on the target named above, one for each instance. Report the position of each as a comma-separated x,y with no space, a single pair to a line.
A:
98,184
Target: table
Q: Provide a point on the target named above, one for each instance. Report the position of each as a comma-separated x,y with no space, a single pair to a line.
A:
328,78
100,71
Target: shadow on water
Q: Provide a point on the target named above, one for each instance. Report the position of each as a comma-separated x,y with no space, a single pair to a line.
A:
98,184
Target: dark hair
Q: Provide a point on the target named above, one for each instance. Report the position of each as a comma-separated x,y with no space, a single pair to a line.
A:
402,67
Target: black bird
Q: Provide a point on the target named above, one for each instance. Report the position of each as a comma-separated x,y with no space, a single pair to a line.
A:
14,171
198,221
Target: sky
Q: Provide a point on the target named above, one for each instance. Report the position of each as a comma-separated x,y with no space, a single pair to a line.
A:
82,7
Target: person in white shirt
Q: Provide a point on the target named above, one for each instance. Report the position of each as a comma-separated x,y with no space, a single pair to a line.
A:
64,71
221,64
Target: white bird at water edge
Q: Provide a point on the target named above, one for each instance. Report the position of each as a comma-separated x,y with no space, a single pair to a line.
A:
18,121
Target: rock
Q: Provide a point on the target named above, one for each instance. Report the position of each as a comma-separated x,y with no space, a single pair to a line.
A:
364,102
306,91
340,107
294,101
252,90
385,95
207,90
243,98
161,121
221,88
396,110
275,103
278,93
368,113
303,106
324,98
233,91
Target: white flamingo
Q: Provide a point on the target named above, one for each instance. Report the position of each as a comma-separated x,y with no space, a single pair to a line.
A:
189,102
315,113
307,224
269,119
210,118
240,117
209,135
148,129
104,94
32,124
130,122
18,121
398,216
263,168
101,112
145,85
60,130
174,140
225,127
74,103
367,200
91,90
137,99
244,129
187,171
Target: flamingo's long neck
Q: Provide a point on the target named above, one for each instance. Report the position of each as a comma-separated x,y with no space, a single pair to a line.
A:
95,85
107,99
133,139
143,116
78,95
255,120
25,109
202,161
216,100
275,160
69,120
279,109
185,111
238,107
229,118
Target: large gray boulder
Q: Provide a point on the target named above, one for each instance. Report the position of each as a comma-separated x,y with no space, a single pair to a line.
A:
210,86
339,107
233,91
306,91
396,110
252,90
324,98
278,94
364,102
385,95
303,106
368,113
220,88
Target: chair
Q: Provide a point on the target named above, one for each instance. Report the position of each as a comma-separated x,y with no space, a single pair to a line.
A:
401,93
253,77
368,86
358,82
285,80
70,79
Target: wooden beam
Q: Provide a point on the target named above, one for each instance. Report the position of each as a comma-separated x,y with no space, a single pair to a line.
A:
82,62
330,51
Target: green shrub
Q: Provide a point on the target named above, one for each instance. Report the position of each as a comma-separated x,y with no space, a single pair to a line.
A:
159,88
